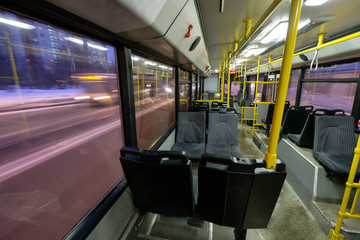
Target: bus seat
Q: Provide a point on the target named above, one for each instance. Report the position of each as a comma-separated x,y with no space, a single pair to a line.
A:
306,137
270,113
198,108
223,134
295,119
190,135
160,181
238,193
245,102
334,143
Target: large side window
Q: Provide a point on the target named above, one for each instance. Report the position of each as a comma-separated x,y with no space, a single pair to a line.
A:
331,87
193,88
184,90
329,95
292,87
154,94
60,127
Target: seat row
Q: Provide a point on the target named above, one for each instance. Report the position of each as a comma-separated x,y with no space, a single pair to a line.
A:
231,192
214,107
220,137
329,132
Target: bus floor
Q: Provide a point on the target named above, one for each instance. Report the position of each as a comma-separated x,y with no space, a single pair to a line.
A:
290,219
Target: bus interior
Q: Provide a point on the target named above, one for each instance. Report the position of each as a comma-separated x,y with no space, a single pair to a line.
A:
187,119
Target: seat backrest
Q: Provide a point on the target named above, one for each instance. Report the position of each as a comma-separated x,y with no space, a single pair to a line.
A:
191,127
262,112
270,112
223,128
245,102
307,134
160,181
238,193
334,135
295,119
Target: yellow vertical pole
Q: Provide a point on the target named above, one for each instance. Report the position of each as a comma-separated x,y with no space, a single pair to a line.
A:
243,96
256,90
228,86
219,73
156,81
167,83
257,78
335,234
17,83
143,88
295,10
138,82
222,82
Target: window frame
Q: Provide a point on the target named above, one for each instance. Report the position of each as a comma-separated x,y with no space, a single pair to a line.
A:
355,112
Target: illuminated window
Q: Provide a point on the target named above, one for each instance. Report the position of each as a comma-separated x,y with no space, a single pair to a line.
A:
347,70
154,94
184,90
292,87
61,134
329,95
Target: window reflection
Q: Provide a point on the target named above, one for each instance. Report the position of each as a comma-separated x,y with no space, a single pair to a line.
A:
154,93
184,90
347,70
292,87
193,88
60,128
329,95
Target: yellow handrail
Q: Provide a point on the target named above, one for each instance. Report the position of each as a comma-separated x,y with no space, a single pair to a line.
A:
335,234
319,46
295,10
228,86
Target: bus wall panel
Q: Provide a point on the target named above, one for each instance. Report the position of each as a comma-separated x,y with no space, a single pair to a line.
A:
113,224
174,43
133,19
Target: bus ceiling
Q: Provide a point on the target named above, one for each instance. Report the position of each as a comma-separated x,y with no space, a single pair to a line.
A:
230,30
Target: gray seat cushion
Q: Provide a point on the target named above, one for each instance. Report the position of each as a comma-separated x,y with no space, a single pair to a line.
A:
334,143
223,135
191,134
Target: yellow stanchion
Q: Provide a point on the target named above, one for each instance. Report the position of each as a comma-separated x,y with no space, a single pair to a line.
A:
295,10
335,234
228,86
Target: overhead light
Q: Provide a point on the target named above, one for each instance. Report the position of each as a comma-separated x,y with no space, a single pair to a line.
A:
75,40
135,58
222,5
315,2
169,90
163,67
239,60
216,70
278,33
97,47
150,63
303,23
17,23
254,52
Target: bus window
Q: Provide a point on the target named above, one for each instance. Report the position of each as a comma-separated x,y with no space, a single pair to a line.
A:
193,88
347,70
154,94
184,90
60,127
328,95
293,83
